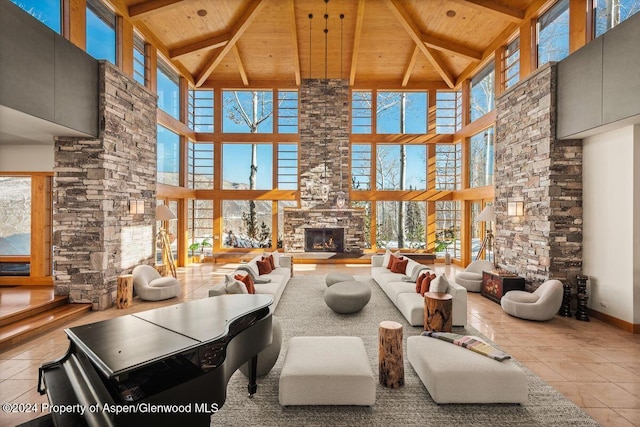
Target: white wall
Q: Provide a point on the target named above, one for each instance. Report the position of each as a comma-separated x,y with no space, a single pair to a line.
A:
609,206
636,224
26,157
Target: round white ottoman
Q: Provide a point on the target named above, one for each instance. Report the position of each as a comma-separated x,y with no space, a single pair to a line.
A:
267,358
347,297
337,277
470,280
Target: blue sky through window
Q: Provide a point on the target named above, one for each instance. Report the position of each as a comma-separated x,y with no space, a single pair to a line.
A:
101,37
45,11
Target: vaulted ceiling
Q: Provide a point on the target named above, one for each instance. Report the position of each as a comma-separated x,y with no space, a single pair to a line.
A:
399,42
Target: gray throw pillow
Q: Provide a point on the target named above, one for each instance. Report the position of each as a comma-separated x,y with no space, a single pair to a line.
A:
439,284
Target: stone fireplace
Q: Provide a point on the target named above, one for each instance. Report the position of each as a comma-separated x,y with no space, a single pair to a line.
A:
324,170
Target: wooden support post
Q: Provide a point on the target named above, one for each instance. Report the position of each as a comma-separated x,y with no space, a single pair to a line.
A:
391,364
437,312
125,291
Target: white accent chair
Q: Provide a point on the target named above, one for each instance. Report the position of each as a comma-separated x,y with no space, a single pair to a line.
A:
151,286
540,305
471,277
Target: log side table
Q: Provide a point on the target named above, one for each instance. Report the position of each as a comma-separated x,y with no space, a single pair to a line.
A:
124,296
390,361
437,312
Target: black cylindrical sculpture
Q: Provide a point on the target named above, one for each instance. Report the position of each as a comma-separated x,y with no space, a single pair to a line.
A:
581,313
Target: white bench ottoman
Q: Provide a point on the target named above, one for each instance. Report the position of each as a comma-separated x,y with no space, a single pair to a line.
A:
453,374
327,371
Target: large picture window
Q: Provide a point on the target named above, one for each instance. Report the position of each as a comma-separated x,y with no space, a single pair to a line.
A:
247,166
168,90
247,111
481,159
609,13
401,224
448,229
101,31
246,223
361,167
448,166
553,33
482,92
401,167
401,112
46,11
168,156
200,224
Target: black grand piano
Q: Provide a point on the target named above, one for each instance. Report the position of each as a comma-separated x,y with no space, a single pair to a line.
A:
167,366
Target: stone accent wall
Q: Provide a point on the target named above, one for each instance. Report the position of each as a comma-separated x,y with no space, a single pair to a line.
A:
95,237
546,174
324,161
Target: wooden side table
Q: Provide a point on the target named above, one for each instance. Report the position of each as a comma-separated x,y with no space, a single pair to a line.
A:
437,312
124,298
390,361
495,285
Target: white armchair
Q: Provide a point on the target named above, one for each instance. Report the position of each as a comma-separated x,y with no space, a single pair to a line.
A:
541,305
471,277
151,286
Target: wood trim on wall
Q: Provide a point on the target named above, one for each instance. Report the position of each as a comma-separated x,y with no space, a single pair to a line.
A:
74,22
634,328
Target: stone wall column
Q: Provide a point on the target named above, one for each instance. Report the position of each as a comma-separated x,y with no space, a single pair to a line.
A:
95,237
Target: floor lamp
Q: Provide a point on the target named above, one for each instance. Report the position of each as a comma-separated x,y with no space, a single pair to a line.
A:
487,215
163,213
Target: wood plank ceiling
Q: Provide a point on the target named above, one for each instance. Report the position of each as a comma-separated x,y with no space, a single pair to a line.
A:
378,42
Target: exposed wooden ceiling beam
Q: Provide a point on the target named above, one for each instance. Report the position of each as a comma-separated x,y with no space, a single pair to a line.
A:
412,63
243,73
451,47
356,42
140,10
211,42
238,29
493,6
294,41
414,32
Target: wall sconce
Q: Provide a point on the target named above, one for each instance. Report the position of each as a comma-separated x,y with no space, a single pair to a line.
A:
515,208
136,207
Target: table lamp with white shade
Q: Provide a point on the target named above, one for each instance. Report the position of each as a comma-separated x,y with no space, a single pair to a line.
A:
487,215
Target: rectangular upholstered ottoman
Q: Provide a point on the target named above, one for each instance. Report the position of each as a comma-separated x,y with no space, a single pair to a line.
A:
453,374
327,371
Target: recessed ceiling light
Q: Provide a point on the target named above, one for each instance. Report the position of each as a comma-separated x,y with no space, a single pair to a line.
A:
202,12
451,13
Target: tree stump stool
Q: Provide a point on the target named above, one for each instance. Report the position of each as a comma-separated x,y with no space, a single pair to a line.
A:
125,291
391,363
437,312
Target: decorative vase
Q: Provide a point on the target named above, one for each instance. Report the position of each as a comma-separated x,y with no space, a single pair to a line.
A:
447,258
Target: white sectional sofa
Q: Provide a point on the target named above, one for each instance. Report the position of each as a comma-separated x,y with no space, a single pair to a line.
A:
270,284
402,292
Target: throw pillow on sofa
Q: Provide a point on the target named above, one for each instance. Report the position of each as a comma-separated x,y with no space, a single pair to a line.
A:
271,262
388,257
419,282
400,266
276,258
439,284
248,282
264,267
426,283
234,286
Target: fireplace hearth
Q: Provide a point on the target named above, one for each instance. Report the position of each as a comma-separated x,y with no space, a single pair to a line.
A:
324,239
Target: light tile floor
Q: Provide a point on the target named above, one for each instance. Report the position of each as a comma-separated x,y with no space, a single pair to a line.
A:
593,364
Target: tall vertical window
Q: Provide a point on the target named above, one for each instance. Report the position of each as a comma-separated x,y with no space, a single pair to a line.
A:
200,166
168,156
247,166
609,13
361,112
553,33
287,166
446,111
200,223
361,167
448,229
246,223
481,158
288,111
401,224
512,63
201,110
401,167
139,60
168,90
476,230
448,166
482,92
401,112
46,11
101,31
247,111
15,209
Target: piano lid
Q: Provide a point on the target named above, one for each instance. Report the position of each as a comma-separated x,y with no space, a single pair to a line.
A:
132,341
